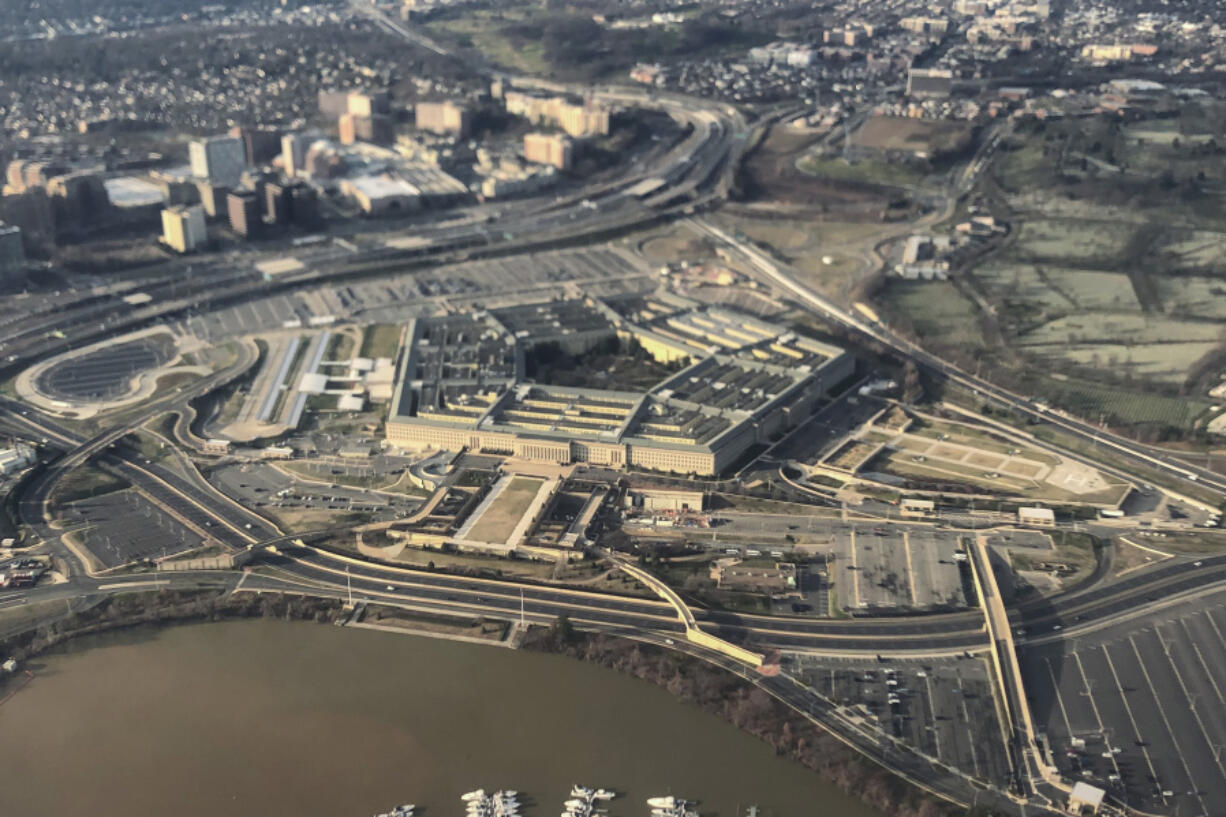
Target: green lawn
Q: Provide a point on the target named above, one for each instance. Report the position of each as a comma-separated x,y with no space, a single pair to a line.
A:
381,340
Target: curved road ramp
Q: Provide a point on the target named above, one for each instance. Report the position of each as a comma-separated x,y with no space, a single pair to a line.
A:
692,631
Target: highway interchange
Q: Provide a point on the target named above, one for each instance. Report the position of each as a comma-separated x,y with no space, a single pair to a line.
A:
695,174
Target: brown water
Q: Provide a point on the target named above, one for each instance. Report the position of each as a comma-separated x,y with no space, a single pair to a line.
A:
265,719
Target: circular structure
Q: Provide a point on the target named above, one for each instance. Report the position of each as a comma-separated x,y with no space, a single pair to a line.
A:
107,373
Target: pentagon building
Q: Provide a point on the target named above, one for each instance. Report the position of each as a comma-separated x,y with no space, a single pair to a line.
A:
460,384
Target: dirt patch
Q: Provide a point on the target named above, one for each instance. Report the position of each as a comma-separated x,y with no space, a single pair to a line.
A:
984,460
1021,469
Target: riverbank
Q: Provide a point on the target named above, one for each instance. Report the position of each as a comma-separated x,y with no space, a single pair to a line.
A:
164,607
709,688
751,710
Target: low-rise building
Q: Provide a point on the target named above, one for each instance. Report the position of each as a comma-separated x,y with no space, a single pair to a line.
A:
14,459
1044,517
774,579
674,500
382,195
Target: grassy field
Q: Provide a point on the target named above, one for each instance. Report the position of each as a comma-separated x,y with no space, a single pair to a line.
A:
381,340
87,481
904,134
499,519
937,312
869,171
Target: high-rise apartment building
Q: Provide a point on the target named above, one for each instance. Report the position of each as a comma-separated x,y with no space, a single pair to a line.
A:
443,117
549,149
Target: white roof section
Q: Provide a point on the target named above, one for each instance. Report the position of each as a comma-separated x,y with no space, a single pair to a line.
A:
313,383
129,191
383,187
1087,794
280,266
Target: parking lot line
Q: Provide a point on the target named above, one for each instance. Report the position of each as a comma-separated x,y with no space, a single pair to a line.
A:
1136,730
1055,688
936,730
906,545
1085,681
1203,664
855,570
1217,630
1162,712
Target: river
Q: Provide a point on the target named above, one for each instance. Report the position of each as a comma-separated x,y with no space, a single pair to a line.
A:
276,719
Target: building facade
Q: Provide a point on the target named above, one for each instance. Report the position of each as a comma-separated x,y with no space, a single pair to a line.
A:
549,149
443,117
243,207
183,228
12,252
219,160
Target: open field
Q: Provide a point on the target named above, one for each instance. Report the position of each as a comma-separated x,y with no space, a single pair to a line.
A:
498,520
924,137
380,340
1106,298
831,256
679,243
936,311
868,171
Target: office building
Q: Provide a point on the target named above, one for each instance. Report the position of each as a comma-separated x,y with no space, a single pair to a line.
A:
212,198
260,145
220,159
277,204
293,153
183,228
243,207
741,382
303,206
549,149
12,252
443,117
376,129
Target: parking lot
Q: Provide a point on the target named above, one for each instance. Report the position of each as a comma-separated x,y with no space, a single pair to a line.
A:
106,373
1139,709
893,566
943,708
261,485
123,527
598,271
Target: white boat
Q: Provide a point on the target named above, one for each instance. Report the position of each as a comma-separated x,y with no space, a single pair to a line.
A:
662,802
580,791
479,794
603,794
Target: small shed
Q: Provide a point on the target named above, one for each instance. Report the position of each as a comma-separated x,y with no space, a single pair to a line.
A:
1085,797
